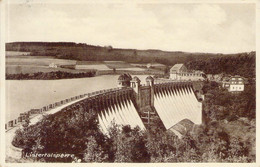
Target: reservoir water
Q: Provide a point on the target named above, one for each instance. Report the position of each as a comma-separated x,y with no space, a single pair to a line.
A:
23,95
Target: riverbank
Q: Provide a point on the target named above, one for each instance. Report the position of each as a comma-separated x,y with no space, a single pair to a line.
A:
49,75
55,75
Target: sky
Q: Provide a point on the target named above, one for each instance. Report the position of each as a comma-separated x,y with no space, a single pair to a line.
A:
200,27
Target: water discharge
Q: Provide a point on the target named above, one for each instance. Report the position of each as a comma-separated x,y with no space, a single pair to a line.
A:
123,114
175,105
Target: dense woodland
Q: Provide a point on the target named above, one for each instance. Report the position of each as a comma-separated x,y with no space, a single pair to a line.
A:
227,135
242,64
49,75
221,104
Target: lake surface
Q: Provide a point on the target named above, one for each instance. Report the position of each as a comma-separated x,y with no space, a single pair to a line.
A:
23,95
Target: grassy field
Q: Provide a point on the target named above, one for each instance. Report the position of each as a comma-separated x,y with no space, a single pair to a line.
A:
16,69
29,64
40,61
118,64
15,53
132,69
150,64
90,62
155,66
20,62
95,67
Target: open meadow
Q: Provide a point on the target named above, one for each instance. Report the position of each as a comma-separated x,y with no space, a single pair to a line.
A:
16,53
16,69
21,62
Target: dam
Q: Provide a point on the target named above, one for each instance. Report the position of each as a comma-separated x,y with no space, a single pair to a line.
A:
166,102
140,105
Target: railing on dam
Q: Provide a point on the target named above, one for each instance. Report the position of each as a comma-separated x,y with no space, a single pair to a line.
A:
33,112
163,81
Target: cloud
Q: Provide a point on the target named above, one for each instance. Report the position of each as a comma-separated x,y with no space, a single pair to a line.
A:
205,28
187,27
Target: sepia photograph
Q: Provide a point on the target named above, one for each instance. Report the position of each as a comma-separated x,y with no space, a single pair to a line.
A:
129,82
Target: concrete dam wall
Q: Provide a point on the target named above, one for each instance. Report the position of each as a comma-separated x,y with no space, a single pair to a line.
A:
140,105
171,102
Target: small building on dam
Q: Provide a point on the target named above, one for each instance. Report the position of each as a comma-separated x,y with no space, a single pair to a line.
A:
168,104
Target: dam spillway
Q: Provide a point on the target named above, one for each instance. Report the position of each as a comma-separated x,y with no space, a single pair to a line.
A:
123,113
171,102
174,105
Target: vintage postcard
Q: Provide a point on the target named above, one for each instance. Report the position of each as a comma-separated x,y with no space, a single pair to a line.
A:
129,82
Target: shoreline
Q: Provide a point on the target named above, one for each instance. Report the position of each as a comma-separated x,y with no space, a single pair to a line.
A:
97,75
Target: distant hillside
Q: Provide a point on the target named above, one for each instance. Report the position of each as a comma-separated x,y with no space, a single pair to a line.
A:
240,63
69,50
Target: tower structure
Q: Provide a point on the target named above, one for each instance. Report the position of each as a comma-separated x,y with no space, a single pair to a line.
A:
135,84
124,80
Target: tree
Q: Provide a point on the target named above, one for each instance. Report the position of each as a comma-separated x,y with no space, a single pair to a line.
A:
129,144
94,152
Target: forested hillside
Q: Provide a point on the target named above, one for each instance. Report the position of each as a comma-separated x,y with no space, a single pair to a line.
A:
242,64
69,50
234,64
